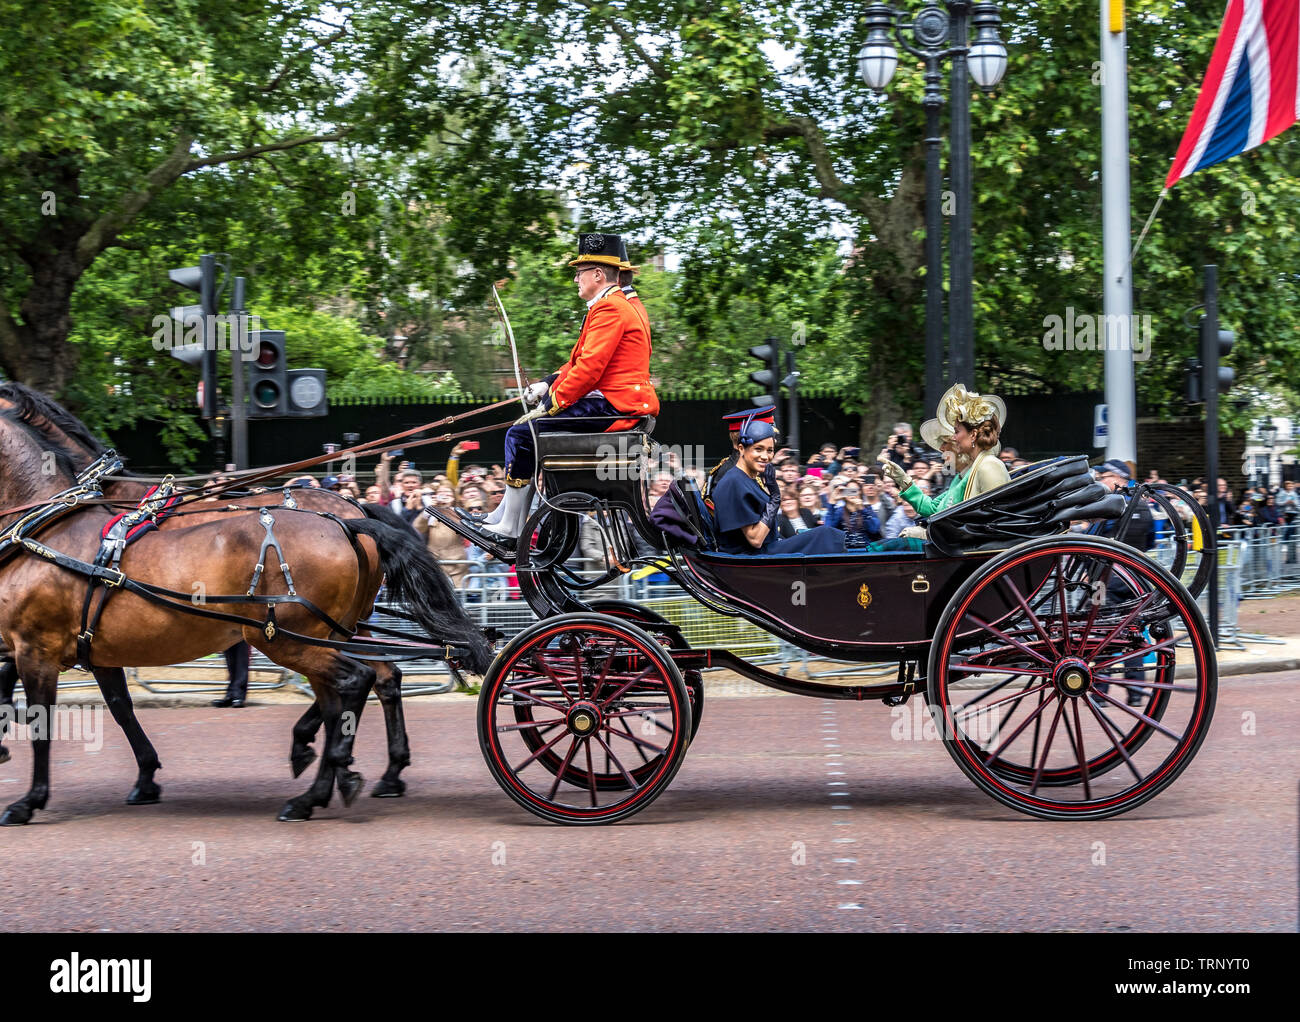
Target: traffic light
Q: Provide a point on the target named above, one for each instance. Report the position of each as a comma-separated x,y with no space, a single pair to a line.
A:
768,378
306,394
1215,346
1226,374
199,320
1192,381
267,382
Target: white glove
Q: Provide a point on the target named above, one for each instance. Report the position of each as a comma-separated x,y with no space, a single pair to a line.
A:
536,413
896,473
536,393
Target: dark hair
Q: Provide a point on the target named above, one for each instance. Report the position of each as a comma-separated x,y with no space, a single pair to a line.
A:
624,277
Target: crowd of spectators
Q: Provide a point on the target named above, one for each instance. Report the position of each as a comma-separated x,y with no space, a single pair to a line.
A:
1257,506
406,491
833,486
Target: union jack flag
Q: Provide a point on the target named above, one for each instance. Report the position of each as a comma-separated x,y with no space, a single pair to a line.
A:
1251,91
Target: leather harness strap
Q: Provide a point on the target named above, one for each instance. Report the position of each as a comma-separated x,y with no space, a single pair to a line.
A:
103,573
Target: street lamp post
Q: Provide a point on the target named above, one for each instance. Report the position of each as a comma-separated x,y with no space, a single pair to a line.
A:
941,34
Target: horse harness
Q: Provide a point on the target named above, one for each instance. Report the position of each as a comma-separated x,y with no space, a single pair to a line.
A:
106,576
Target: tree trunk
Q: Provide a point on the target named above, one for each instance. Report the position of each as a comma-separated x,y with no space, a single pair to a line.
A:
34,346
44,358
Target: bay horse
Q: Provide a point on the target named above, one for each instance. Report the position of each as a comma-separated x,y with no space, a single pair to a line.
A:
338,565
82,447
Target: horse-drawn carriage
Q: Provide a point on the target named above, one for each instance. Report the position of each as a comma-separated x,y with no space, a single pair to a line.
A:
1020,632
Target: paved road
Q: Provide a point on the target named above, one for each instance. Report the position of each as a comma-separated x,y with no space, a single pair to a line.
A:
918,848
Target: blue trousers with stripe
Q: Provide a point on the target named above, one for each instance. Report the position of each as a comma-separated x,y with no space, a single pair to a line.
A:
521,458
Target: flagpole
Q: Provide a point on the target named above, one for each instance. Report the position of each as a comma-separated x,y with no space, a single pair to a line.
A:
1121,394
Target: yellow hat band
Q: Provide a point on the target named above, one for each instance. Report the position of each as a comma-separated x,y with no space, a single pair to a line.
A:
604,260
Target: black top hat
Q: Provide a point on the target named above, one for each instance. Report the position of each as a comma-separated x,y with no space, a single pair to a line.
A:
624,264
599,248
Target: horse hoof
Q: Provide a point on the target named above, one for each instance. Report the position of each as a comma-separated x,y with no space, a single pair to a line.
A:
300,761
4,754
144,794
385,788
17,814
295,812
350,784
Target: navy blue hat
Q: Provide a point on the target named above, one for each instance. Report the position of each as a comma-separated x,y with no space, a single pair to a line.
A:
1116,466
754,429
735,420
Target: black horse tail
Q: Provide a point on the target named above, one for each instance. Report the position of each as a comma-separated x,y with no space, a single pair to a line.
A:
416,579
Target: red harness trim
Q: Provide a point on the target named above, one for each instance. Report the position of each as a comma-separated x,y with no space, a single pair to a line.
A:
147,524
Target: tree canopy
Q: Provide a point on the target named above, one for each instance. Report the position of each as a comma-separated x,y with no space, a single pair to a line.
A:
373,168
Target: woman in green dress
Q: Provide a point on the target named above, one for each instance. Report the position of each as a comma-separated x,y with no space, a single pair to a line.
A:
965,429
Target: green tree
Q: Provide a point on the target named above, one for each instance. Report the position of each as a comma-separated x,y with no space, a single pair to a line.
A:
741,133
250,129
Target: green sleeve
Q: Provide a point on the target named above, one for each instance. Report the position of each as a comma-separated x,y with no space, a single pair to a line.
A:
927,506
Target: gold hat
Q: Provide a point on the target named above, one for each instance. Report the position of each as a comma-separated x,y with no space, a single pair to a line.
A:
934,434
961,405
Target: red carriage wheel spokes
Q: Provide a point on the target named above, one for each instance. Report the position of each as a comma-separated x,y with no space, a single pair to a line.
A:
669,635
608,751
1031,664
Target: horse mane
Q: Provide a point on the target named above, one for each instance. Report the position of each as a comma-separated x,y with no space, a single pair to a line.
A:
41,417
35,409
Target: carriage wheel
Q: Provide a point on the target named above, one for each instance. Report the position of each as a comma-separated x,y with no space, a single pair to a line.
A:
1168,498
670,635
1016,665
606,776
604,697
1136,731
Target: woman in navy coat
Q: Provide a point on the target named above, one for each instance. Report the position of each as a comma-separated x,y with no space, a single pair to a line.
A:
746,504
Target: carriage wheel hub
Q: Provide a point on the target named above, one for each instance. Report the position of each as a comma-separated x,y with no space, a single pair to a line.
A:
583,718
1072,677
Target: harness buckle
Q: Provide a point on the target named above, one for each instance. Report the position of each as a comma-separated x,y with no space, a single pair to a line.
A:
113,578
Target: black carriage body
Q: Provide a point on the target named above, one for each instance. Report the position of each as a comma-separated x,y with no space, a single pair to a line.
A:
1019,635
859,607
855,606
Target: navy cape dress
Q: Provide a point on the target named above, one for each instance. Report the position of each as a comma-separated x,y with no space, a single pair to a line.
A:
739,501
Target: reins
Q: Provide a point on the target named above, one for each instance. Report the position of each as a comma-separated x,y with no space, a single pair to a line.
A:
256,475
243,479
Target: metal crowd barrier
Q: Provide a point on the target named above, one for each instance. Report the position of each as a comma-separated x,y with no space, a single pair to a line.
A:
1270,558
258,664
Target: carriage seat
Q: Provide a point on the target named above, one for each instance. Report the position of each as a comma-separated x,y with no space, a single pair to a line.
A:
1039,502
609,467
642,424
683,518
